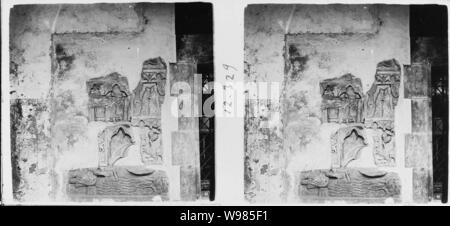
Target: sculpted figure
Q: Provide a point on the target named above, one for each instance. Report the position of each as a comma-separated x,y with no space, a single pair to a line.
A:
150,146
108,98
150,101
342,99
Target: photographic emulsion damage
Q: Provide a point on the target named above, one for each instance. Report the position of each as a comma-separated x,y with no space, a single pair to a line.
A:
105,99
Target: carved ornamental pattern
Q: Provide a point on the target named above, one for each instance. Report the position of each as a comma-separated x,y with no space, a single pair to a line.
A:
346,145
150,142
109,98
148,98
113,144
342,99
110,101
343,102
382,97
150,91
384,143
349,183
129,183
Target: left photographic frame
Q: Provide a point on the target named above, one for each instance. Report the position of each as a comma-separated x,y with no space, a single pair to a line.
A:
106,102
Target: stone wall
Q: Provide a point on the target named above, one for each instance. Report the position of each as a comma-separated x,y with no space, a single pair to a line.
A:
55,50
298,48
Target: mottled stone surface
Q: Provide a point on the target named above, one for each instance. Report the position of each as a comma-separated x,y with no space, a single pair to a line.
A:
148,98
429,49
265,176
418,150
182,77
109,98
418,143
196,49
185,153
188,123
118,183
384,152
362,184
113,144
346,145
30,145
421,118
422,185
417,81
151,148
32,27
382,97
150,92
342,99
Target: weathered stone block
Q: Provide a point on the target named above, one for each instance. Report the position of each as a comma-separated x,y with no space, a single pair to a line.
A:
342,99
109,98
346,145
359,184
113,144
188,123
421,115
417,81
185,153
30,145
150,91
127,183
151,148
422,185
384,152
418,150
196,48
181,77
382,97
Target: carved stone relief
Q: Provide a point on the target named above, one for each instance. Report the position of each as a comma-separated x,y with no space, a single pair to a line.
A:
417,80
150,145
346,145
384,143
109,98
382,97
113,144
342,99
379,111
149,93
110,101
148,98
116,182
349,183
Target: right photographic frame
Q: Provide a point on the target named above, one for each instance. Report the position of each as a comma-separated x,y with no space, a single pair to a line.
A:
346,103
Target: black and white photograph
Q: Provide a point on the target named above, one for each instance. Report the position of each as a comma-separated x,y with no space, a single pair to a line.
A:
105,99
348,103
224,111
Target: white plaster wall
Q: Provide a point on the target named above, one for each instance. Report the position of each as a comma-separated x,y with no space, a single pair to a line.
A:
266,26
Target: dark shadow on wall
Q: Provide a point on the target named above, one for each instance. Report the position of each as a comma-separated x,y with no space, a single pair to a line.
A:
194,43
429,42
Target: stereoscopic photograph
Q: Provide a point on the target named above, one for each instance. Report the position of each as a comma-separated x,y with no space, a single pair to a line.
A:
347,103
113,103
105,102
